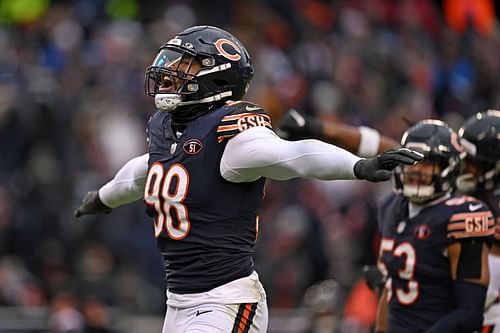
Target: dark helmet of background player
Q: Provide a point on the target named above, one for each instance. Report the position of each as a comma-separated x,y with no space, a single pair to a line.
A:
441,147
225,74
480,136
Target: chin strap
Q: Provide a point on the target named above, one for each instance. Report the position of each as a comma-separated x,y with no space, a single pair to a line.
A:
169,102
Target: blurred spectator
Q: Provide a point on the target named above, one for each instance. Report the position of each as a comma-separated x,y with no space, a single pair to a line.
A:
324,301
65,316
97,317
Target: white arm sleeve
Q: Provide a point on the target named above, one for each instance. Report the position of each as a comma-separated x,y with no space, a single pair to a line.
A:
259,152
127,185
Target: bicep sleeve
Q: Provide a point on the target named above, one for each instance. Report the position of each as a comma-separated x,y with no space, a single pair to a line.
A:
128,183
259,152
469,261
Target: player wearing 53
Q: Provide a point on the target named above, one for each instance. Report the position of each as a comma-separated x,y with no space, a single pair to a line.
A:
203,179
479,176
435,242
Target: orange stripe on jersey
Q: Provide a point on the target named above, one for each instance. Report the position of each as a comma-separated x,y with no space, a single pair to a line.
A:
222,137
224,128
463,225
463,216
471,224
236,116
465,234
246,114
456,226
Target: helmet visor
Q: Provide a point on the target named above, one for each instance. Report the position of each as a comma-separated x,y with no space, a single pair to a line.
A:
172,71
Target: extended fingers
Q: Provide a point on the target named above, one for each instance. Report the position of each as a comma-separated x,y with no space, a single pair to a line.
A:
415,155
405,156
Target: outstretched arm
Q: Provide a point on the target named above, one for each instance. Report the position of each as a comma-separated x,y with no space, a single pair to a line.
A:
363,141
259,152
127,186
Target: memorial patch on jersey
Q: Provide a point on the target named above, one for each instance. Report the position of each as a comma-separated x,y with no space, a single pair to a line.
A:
422,232
192,146
250,115
471,224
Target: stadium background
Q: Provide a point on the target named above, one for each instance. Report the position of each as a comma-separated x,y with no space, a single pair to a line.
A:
72,111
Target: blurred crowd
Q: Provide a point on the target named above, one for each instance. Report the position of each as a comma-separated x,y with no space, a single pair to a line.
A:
73,110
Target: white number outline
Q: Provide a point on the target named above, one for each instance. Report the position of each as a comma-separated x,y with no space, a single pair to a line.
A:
157,194
406,273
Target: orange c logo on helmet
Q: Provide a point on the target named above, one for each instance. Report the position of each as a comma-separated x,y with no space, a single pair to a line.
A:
219,43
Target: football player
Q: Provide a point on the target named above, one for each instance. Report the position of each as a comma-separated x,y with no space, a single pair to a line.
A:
480,173
203,179
435,243
480,178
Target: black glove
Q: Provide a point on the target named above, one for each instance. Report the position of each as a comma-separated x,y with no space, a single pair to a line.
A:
295,126
373,277
91,205
379,168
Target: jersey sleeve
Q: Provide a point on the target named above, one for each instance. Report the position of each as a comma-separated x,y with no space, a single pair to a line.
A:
471,219
241,116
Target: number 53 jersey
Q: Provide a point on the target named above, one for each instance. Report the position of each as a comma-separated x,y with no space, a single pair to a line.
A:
413,255
205,226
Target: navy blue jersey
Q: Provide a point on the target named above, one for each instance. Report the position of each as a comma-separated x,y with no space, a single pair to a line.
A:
493,201
413,253
205,226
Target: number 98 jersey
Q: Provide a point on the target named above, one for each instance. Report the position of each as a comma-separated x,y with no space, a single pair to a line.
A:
413,255
205,226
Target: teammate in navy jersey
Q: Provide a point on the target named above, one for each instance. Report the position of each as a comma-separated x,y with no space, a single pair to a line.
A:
203,179
435,243
480,178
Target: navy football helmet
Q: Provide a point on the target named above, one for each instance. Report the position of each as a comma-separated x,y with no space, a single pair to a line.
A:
480,136
223,69
442,149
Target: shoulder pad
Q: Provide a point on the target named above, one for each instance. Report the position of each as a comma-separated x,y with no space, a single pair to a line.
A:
472,218
459,200
241,116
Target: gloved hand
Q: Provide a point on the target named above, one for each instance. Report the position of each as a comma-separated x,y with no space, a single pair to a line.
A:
295,126
373,277
91,205
379,168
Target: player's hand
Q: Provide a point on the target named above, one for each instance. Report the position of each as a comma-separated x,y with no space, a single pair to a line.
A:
91,205
374,278
295,126
379,168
